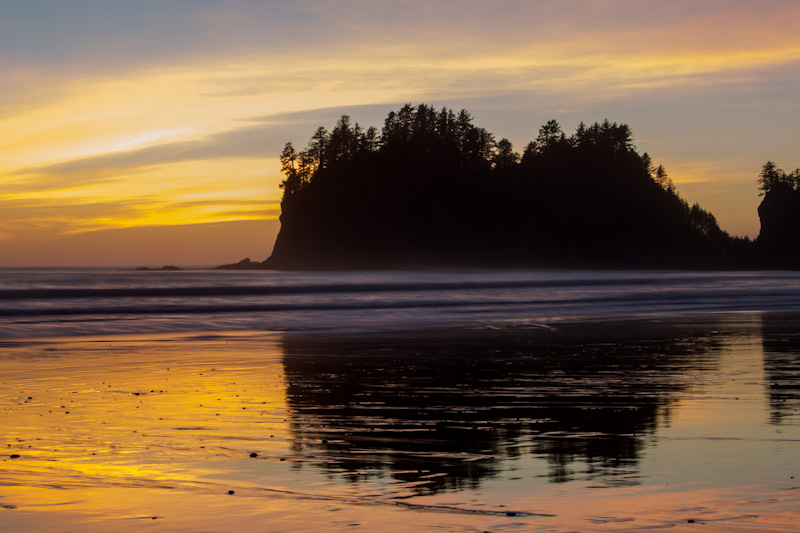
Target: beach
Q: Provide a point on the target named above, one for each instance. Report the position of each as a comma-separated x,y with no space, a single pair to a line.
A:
623,425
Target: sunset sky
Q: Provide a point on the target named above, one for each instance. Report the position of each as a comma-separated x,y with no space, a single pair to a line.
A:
148,132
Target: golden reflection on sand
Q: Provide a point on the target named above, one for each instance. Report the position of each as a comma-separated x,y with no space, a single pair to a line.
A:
253,432
88,417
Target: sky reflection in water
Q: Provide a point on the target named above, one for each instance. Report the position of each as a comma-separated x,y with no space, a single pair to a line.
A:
486,429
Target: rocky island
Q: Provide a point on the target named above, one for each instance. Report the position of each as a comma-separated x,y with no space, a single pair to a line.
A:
431,189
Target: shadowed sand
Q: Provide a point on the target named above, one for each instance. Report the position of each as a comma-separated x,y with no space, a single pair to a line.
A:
575,427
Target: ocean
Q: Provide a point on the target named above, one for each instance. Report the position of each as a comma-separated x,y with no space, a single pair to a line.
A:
68,302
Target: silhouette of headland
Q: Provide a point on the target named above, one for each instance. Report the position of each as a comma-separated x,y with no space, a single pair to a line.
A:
431,189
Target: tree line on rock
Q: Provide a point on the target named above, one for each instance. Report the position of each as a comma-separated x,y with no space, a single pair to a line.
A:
779,211
433,189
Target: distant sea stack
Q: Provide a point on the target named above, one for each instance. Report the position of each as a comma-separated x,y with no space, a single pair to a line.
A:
432,189
244,264
164,268
779,212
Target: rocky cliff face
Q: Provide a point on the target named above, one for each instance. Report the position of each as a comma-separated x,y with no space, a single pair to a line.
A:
780,222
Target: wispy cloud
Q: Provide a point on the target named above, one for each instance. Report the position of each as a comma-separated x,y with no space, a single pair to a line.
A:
259,141
54,217
243,142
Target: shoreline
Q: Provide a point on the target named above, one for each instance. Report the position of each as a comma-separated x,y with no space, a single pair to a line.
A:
555,327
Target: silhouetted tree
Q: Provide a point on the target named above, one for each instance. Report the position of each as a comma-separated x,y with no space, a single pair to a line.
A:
771,177
550,136
505,157
290,166
662,179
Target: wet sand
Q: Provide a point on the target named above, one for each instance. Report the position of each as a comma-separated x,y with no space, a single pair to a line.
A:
597,426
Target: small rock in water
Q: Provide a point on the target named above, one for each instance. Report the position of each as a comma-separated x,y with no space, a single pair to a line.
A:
14,456
254,454
691,521
231,492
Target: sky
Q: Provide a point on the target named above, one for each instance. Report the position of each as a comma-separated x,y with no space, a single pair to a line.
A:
148,133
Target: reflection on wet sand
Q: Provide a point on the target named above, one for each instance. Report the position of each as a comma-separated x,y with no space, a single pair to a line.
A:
782,370
444,411
469,429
